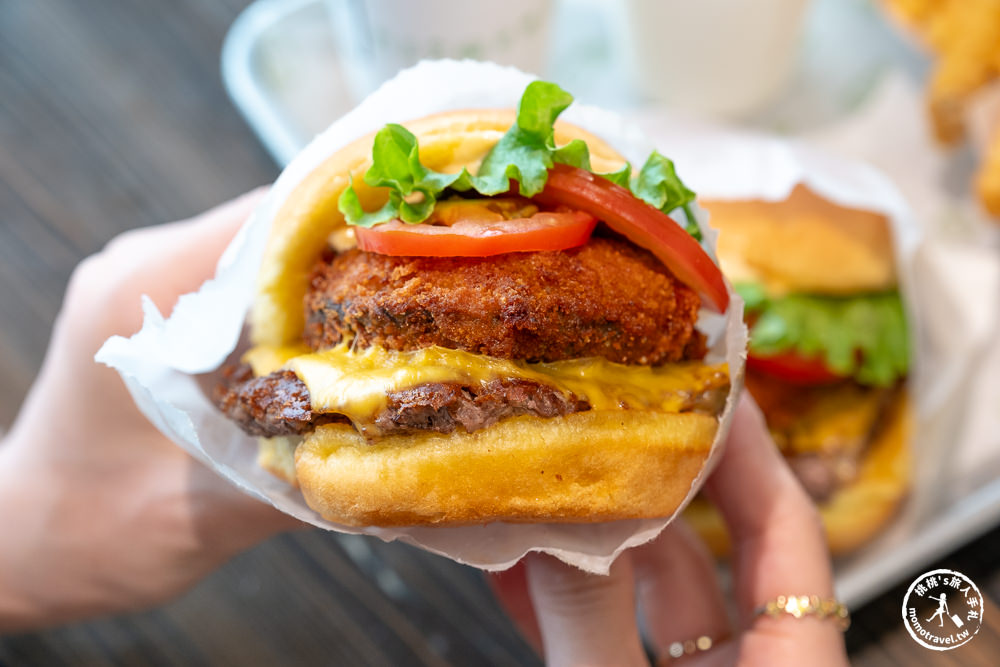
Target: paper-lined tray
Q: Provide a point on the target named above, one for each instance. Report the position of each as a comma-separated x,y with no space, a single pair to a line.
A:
957,494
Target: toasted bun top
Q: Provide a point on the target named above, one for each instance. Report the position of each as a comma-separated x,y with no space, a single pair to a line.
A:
804,244
299,232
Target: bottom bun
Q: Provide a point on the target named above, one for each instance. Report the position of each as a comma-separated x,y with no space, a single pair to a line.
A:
856,512
277,456
587,466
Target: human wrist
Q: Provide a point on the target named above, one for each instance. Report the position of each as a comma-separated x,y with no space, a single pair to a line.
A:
19,609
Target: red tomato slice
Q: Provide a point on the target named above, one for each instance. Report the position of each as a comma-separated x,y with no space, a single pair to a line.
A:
794,368
546,230
642,224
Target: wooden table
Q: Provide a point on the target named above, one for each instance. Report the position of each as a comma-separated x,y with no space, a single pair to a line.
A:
112,116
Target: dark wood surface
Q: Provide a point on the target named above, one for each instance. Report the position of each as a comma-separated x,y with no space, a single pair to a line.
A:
113,116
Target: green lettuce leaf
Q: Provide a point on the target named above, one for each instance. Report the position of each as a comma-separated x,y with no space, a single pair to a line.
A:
524,154
659,186
413,189
863,336
528,150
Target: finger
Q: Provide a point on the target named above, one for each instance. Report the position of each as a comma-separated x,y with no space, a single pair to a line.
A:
168,260
103,299
511,589
778,542
776,531
678,589
162,262
216,227
585,619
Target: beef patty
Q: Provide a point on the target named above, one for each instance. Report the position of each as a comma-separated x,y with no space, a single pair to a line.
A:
278,404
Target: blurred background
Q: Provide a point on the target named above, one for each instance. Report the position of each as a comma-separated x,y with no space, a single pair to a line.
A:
116,114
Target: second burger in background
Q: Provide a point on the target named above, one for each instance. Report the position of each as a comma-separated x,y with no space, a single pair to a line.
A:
828,355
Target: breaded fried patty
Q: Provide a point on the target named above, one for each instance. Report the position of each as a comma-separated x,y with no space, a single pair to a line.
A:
607,299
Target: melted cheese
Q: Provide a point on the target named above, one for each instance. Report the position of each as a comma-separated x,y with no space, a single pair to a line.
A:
356,383
265,359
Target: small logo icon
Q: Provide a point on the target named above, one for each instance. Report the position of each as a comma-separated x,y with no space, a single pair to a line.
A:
942,609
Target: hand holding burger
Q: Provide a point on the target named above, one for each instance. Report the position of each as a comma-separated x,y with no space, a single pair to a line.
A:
101,512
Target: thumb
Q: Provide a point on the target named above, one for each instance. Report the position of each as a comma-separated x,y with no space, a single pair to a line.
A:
585,619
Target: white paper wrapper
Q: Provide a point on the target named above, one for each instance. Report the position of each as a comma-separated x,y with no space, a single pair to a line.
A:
158,363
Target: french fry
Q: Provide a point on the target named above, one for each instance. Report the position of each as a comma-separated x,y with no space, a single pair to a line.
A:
988,177
964,35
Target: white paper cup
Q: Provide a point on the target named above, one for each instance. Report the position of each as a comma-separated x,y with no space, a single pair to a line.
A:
375,39
723,58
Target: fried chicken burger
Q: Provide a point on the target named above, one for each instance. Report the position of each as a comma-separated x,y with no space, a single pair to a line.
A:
482,316
828,355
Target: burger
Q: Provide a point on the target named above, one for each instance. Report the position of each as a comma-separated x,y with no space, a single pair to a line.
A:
828,355
482,316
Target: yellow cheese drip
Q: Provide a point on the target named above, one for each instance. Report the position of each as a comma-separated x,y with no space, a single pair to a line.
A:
356,383
265,359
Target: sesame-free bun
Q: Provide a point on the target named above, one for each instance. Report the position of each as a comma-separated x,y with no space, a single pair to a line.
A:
804,244
587,466
299,232
859,510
